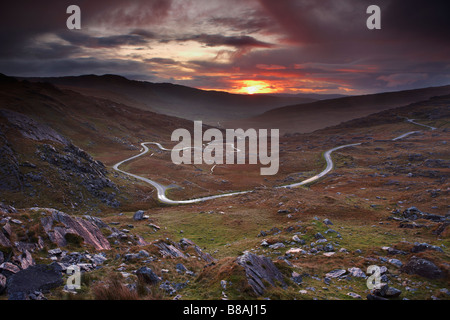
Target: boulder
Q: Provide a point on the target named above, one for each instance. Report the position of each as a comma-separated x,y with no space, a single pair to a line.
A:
86,229
419,247
139,215
25,260
412,213
422,267
8,269
356,272
35,278
354,295
318,235
297,278
260,270
386,292
298,240
147,275
180,267
335,273
395,262
277,245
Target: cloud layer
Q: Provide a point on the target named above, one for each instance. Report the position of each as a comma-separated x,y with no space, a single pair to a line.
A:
284,46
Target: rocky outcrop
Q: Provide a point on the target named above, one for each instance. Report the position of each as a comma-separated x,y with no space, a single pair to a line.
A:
89,231
168,248
69,163
260,270
413,214
171,249
422,267
35,278
75,163
32,129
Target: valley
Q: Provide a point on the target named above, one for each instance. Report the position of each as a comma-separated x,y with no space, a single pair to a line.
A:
81,185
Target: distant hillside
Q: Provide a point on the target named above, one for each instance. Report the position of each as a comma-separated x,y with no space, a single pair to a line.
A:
175,100
52,141
321,114
314,96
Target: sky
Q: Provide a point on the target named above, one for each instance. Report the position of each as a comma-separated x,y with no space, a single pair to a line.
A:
239,46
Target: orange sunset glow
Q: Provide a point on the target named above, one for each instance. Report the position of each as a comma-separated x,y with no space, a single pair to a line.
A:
254,87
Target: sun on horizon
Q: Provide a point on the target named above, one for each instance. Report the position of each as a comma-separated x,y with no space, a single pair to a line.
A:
252,87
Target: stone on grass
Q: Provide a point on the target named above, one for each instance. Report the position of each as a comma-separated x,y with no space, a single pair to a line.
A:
35,278
260,271
356,272
422,267
335,273
147,275
139,215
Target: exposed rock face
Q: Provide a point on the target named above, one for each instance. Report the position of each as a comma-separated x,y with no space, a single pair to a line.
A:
35,278
422,267
75,162
170,249
86,229
413,214
69,163
260,269
32,129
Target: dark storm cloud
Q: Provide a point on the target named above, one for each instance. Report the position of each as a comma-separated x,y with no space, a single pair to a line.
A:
50,51
163,61
215,40
418,20
22,20
411,49
309,21
84,40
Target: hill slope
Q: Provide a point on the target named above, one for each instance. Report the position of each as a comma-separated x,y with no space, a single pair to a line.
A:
52,142
321,114
174,100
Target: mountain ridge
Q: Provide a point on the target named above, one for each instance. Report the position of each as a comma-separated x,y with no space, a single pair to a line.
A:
172,99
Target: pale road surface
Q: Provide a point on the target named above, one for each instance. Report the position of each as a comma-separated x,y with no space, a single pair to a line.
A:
161,189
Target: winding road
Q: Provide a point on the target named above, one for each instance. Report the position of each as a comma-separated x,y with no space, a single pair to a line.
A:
161,189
